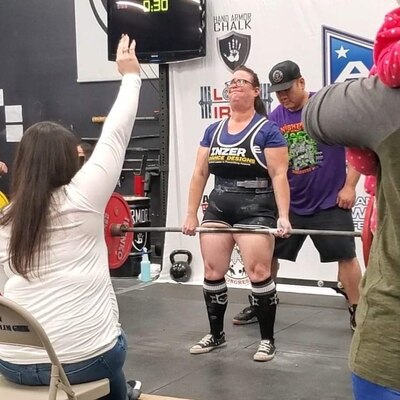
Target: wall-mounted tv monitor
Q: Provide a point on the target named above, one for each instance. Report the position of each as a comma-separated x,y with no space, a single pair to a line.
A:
165,30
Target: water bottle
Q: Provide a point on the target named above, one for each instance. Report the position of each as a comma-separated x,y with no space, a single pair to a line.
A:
145,271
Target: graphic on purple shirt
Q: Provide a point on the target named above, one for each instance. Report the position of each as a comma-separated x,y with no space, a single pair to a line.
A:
317,172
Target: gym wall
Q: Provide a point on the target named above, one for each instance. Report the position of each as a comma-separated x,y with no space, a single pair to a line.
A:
38,78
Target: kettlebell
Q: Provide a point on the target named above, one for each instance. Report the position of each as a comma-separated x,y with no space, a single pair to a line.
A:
181,270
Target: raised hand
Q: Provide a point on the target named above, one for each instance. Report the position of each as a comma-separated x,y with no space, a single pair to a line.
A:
126,57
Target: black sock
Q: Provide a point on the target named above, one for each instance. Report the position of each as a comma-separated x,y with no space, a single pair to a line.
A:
216,298
264,302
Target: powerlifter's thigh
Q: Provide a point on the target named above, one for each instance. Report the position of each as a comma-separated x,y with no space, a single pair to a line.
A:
255,211
245,210
216,248
333,248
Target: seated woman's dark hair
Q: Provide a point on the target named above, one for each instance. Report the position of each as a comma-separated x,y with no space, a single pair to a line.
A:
46,159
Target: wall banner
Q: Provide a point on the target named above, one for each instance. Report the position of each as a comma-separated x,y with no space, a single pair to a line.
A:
328,46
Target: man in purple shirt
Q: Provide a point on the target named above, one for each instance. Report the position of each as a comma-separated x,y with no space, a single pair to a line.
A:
322,192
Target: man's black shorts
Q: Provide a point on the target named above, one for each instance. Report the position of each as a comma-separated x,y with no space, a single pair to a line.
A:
330,248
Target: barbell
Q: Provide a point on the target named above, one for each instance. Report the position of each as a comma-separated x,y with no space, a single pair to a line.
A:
119,230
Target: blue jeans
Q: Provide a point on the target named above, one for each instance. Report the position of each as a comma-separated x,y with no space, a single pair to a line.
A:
107,365
366,390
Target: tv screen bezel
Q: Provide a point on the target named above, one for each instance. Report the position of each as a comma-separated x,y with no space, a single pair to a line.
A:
166,56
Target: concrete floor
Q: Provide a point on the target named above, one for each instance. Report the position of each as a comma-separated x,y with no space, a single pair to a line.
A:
163,320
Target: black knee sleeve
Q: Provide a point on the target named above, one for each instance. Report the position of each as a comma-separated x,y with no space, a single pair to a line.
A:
216,298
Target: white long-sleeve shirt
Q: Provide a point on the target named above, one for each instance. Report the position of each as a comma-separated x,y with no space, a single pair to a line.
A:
73,298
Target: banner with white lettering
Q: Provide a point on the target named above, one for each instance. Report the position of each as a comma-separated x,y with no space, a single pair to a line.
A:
331,42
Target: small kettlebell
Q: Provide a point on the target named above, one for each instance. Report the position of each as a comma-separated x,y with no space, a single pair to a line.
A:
181,270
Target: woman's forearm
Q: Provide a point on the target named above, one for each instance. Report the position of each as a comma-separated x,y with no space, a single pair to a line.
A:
196,189
282,194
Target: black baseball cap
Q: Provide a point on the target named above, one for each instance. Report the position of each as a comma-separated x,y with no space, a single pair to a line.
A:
283,75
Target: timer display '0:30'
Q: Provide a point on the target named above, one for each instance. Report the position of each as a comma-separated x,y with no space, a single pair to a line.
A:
155,5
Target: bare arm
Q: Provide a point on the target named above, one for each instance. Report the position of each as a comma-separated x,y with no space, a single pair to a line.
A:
347,195
352,177
196,189
277,163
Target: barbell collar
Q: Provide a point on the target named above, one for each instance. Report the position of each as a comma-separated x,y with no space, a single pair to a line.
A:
121,229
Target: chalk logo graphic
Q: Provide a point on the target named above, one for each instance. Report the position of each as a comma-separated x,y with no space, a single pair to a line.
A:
234,49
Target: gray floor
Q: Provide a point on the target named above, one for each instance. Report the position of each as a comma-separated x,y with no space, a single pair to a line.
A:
163,320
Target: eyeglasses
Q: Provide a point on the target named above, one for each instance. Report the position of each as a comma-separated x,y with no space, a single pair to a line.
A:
238,82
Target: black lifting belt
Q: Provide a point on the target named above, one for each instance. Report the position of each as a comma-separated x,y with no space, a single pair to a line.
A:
258,185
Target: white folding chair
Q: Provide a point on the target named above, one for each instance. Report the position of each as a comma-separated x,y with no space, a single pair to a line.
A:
19,327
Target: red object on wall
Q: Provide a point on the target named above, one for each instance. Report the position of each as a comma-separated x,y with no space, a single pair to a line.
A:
138,185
